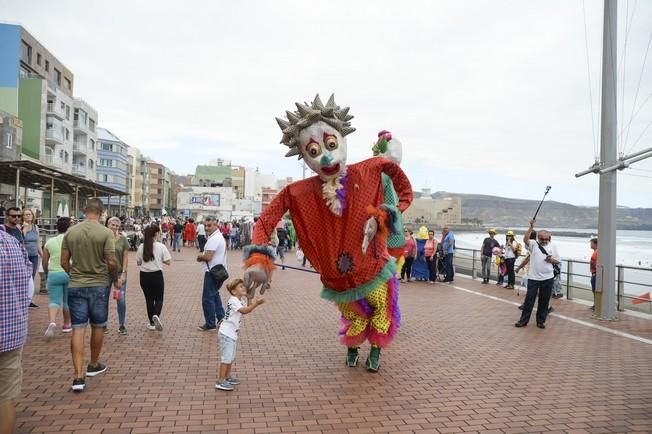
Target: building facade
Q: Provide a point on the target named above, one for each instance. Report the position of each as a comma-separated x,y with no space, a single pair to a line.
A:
158,188
424,209
197,202
111,170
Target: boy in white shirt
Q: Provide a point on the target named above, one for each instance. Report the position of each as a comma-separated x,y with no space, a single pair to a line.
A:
229,330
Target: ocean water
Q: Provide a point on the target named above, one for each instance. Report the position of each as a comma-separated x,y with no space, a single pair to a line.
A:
633,248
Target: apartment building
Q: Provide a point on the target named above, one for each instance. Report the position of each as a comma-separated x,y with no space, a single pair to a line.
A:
159,185
137,182
38,88
111,170
84,148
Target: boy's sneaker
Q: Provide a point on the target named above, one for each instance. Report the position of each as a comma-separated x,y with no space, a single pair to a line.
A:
151,327
122,330
224,385
93,371
67,328
233,381
158,325
78,385
205,328
49,333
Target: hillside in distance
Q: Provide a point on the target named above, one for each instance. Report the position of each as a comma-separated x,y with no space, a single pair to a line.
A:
508,212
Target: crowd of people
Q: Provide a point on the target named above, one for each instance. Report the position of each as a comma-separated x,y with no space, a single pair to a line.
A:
86,262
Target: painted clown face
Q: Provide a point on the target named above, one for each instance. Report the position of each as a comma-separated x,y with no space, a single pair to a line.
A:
324,150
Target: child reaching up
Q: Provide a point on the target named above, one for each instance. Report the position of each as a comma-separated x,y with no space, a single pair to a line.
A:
229,330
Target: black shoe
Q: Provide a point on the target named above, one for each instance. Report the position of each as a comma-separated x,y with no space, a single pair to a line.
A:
33,305
205,328
521,307
541,325
93,371
78,385
551,309
520,324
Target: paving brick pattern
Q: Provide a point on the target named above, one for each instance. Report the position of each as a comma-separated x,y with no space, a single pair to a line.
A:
458,365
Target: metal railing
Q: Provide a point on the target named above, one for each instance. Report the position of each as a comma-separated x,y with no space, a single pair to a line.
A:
631,282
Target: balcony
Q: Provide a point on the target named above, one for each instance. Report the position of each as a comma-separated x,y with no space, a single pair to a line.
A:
50,160
80,147
54,135
79,170
54,109
80,126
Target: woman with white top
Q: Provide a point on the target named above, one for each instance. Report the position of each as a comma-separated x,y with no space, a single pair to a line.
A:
151,256
511,251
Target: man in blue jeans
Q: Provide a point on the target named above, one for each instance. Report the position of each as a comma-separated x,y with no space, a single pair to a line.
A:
90,247
448,248
214,253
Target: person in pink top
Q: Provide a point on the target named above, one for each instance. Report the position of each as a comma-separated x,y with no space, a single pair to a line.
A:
409,252
430,252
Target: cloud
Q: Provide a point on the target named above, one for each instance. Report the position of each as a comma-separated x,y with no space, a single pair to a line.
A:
476,90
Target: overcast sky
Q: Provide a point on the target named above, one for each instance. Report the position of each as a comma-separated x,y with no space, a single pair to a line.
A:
487,96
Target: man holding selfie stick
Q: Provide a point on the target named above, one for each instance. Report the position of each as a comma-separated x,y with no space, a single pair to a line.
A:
543,255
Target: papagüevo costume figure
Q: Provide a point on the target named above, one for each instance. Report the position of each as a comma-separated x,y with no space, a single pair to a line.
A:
342,224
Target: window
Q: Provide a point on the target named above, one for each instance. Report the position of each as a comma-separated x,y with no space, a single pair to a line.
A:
92,145
90,164
67,112
91,124
38,59
61,154
57,76
68,83
10,141
47,66
25,52
65,155
107,147
67,133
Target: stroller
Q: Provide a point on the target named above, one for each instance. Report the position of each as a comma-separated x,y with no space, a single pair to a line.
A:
441,265
133,240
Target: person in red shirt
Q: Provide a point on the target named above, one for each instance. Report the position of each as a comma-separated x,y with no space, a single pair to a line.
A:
593,265
342,224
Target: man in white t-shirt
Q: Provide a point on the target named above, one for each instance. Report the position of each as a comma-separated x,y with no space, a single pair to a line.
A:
214,253
543,255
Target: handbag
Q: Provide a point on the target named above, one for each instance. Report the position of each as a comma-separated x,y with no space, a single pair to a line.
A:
219,273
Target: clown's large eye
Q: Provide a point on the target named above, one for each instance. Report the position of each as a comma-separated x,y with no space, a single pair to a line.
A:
313,149
331,143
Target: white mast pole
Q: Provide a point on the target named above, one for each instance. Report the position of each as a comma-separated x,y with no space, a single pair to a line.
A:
606,273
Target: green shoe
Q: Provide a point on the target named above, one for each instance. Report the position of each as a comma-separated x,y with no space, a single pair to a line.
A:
352,357
373,361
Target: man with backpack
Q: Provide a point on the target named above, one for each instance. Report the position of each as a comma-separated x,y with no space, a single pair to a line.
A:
543,255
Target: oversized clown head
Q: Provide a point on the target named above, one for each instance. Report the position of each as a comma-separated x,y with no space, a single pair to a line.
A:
315,132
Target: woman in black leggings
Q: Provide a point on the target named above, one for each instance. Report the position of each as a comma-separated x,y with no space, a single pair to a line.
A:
151,256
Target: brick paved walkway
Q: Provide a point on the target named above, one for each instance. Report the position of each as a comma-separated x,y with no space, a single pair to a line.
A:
458,365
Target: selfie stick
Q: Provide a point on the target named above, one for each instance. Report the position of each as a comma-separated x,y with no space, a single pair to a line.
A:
540,203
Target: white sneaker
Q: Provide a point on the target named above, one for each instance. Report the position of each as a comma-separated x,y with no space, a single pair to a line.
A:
49,333
151,327
158,325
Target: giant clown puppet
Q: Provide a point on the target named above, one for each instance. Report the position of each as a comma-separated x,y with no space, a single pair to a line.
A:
342,222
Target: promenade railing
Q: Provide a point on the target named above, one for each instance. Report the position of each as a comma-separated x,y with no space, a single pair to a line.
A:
631,282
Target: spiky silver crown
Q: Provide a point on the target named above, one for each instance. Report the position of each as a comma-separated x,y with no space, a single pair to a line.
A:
308,114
